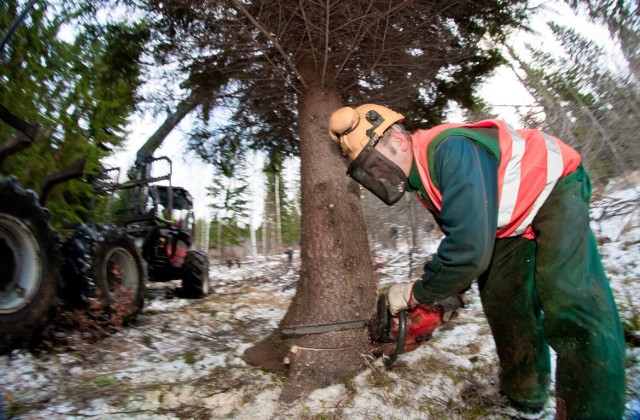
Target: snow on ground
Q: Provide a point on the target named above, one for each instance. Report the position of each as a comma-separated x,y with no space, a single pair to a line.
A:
181,359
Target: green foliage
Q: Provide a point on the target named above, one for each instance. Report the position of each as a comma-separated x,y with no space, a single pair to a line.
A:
423,111
229,209
273,132
588,101
281,226
227,233
190,357
80,92
416,58
104,382
622,19
291,224
631,317
290,218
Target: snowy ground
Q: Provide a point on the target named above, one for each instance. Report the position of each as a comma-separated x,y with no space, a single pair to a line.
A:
182,358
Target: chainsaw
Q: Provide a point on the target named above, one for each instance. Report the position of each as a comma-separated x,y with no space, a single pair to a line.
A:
391,335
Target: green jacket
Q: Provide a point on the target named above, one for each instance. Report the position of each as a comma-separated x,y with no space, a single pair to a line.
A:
467,176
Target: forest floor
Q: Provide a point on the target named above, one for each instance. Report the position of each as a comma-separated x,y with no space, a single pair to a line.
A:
182,358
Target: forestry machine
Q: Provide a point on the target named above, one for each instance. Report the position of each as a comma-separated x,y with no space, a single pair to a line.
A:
160,219
97,268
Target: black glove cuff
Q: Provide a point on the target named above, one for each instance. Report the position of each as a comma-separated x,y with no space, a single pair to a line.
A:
418,293
451,303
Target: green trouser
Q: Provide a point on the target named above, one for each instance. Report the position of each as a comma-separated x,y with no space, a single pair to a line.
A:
553,291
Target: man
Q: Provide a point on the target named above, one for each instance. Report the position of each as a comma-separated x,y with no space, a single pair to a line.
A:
289,253
513,206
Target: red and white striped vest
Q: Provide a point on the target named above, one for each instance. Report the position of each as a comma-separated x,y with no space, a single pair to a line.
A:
531,162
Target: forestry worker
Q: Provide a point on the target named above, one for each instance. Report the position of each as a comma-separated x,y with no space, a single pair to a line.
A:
514,209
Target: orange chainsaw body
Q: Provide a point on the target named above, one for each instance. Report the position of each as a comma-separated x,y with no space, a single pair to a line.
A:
395,334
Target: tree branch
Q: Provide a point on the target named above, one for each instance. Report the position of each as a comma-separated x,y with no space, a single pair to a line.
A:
275,41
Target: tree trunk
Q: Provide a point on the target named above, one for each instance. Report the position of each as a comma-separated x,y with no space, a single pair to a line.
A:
219,237
337,279
278,218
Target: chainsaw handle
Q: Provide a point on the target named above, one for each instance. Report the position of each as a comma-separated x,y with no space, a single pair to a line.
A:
401,340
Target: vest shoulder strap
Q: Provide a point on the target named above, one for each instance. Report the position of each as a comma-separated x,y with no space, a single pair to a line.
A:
481,136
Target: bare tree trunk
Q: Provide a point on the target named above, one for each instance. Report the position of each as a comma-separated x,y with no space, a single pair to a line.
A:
278,219
337,279
271,221
219,236
204,235
413,225
265,223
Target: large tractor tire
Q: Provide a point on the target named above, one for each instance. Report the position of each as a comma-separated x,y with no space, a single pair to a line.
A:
103,272
195,277
29,266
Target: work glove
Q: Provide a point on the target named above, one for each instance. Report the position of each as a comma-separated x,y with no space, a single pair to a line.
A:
400,297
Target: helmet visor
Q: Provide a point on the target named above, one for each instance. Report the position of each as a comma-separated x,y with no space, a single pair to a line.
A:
378,174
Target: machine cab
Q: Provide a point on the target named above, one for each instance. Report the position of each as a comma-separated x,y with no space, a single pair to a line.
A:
173,205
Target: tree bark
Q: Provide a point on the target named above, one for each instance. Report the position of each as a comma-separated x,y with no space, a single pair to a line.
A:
337,280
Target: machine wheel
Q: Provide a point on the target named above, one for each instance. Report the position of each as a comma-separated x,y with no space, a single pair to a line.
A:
29,265
103,264
195,278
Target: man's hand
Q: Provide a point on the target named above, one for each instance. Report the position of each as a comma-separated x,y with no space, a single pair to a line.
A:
400,297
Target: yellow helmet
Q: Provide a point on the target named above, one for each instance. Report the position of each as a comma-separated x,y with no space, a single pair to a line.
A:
353,128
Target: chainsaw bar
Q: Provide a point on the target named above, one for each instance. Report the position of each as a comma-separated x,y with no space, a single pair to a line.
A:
310,329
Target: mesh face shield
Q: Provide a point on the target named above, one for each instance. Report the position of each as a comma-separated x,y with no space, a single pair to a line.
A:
378,174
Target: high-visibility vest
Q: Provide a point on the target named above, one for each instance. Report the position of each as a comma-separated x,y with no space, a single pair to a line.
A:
531,162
